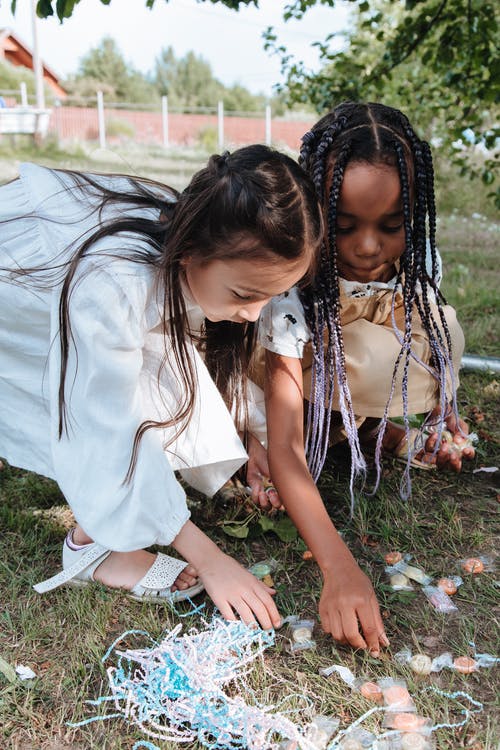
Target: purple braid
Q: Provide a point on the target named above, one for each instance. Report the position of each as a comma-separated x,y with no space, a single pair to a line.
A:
374,134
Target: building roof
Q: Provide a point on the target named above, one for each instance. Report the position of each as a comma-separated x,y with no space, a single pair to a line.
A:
16,52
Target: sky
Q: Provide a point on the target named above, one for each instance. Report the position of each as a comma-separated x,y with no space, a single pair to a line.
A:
230,41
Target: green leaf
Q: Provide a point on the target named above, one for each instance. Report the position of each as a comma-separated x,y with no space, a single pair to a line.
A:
267,523
487,177
285,529
235,529
8,670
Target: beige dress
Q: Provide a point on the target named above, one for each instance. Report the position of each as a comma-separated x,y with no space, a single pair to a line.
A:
372,344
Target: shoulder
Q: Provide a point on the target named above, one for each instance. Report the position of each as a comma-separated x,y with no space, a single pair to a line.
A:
282,325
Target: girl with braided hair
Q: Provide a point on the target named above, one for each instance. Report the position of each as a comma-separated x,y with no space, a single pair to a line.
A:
370,338
108,286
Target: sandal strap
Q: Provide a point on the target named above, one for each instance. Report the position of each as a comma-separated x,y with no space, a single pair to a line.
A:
95,554
161,575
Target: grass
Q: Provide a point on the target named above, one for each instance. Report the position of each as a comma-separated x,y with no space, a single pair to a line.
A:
62,635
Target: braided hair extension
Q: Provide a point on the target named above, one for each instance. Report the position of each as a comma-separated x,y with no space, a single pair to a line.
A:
373,134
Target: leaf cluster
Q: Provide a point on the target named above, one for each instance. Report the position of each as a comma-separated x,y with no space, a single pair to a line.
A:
64,8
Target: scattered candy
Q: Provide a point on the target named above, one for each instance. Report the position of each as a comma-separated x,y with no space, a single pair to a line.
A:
414,741
371,691
308,555
473,565
400,582
302,634
465,664
406,722
421,664
439,600
396,695
393,557
448,585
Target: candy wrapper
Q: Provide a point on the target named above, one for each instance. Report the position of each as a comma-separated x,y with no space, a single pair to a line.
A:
321,730
395,695
418,663
410,571
439,599
301,634
476,564
407,722
356,739
449,585
405,741
263,570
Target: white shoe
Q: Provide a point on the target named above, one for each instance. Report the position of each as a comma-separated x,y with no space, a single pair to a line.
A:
79,566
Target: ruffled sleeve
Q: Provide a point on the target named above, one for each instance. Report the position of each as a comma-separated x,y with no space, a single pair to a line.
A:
104,409
282,325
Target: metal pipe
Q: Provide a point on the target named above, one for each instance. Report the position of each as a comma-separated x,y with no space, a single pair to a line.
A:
482,364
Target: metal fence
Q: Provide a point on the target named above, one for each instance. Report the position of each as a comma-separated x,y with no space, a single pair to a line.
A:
107,123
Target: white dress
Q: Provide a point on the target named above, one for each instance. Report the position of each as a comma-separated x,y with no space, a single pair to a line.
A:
111,380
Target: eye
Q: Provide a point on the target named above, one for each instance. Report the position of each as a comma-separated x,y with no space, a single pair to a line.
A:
392,229
240,296
344,230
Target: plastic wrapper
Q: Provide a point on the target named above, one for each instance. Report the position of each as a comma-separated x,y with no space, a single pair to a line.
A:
301,631
343,672
321,730
419,663
439,599
476,564
449,585
411,571
405,741
263,570
406,721
356,739
395,695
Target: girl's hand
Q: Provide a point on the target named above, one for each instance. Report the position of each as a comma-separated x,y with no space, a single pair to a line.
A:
451,452
349,605
257,470
235,591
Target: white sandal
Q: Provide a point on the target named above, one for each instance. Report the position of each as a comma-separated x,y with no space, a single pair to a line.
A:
155,586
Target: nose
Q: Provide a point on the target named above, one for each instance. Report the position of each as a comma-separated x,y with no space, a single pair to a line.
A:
369,244
251,312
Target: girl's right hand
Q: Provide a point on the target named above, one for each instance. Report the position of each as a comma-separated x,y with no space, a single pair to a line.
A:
349,609
235,591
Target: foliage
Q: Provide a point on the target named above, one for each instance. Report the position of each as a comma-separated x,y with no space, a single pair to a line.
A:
104,65
11,77
434,59
64,8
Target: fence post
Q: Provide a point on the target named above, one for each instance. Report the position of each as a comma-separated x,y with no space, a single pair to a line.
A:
164,119
100,119
268,124
220,123
24,94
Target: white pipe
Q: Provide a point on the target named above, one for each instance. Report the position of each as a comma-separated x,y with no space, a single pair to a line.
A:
164,118
37,60
268,124
100,119
220,121
483,364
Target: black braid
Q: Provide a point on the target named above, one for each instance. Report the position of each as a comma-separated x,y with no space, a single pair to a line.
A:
373,134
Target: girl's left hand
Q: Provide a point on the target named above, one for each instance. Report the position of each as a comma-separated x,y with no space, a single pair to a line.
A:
257,469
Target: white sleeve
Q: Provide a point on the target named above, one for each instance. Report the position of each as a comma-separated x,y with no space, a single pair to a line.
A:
282,325
104,409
